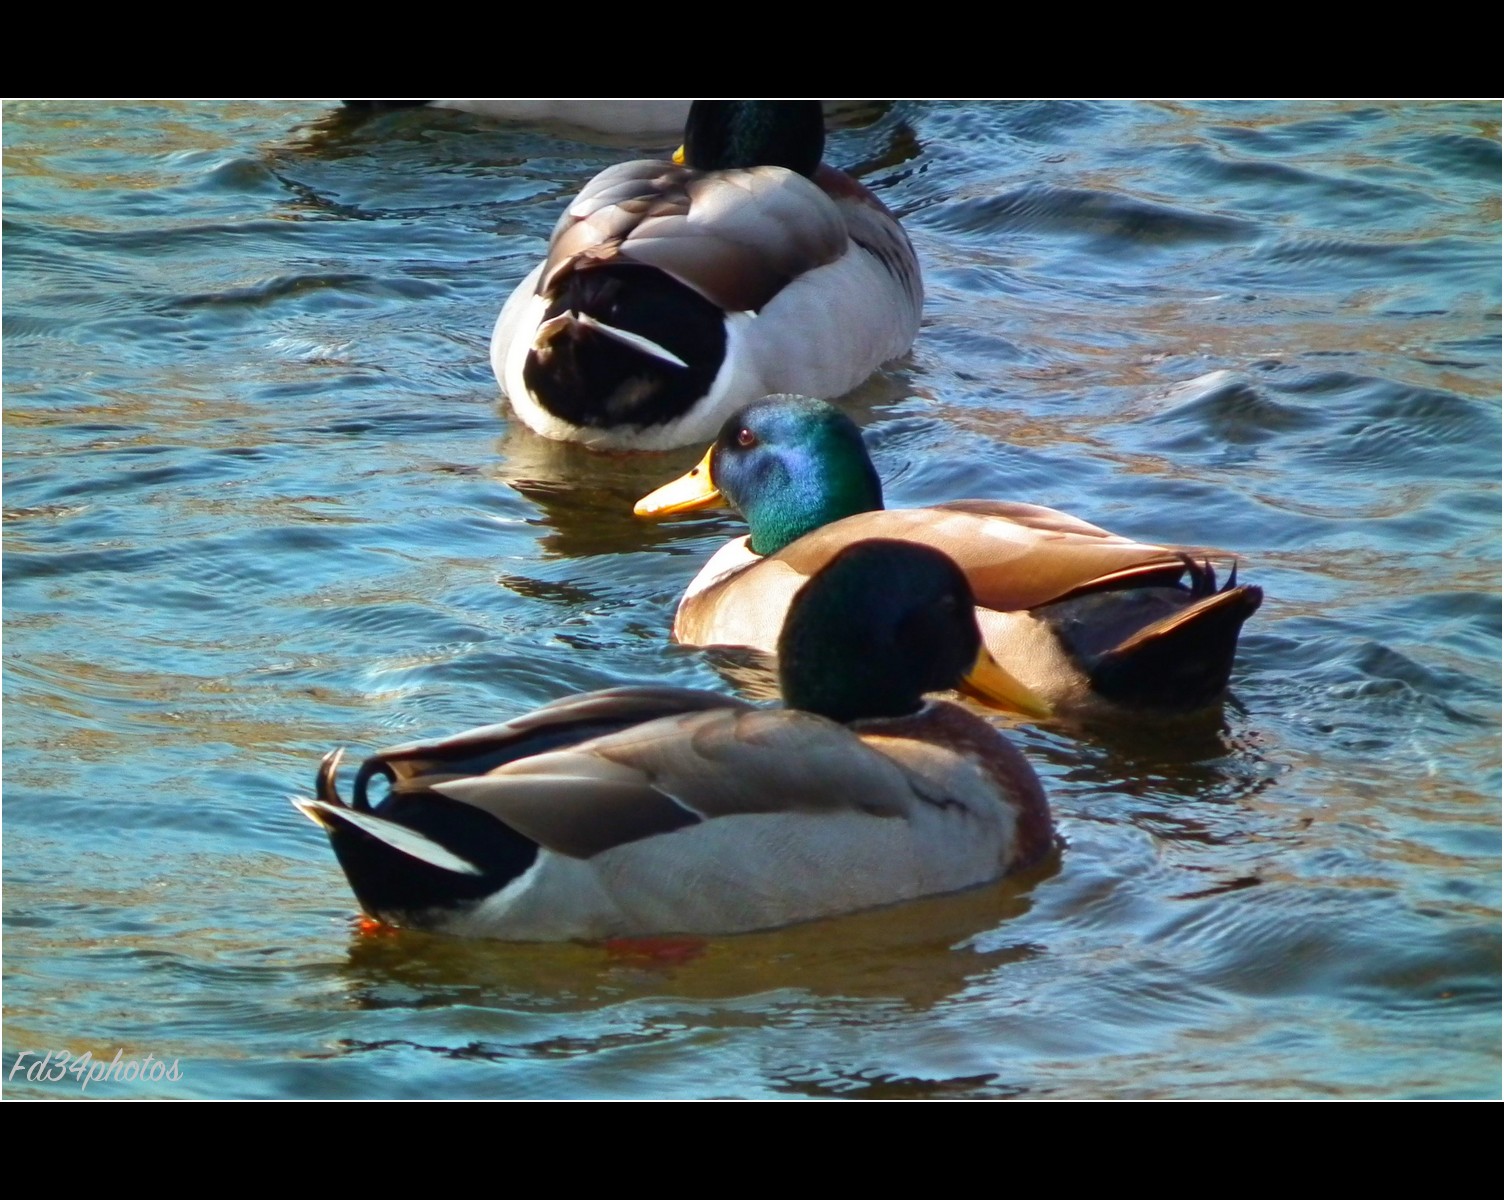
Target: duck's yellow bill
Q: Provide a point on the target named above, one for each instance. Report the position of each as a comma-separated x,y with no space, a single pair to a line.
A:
989,683
678,156
692,490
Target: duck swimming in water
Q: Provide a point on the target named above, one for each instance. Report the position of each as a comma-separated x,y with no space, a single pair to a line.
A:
674,293
1094,624
658,810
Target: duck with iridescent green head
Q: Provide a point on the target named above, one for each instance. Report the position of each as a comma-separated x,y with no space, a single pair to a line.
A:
1093,624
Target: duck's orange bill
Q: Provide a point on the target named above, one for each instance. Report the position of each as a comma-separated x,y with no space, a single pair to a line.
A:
989,683
694,489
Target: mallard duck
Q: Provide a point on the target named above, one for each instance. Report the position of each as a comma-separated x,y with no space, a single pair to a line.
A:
1094,624
674,294
658,810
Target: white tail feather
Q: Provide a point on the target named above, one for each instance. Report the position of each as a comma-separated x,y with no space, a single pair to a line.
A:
398,837
635,340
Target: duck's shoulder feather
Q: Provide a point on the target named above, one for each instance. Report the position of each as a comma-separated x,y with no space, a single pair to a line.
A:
737,237
1015,556
568,721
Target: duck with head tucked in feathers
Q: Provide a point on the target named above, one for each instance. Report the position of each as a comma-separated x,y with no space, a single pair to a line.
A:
656,810
1093,624
673,293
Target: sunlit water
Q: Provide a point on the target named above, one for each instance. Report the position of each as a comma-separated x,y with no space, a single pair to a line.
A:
261,499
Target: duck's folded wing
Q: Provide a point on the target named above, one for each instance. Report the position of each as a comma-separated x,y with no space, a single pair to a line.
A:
1015,556
684,770
418,765
735,237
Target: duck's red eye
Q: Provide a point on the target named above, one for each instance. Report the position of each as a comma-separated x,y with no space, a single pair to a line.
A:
745,437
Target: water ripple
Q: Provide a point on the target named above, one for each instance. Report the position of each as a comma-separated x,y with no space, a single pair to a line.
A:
262,499
1116,220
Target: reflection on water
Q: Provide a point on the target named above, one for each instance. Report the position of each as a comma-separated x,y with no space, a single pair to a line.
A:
261,499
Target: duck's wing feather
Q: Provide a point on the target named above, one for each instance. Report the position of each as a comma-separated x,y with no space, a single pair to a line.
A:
684,770
736,237
416,766
1016,556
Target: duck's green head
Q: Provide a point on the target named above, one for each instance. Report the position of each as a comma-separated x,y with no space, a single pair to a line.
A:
788,464
722,134
881,624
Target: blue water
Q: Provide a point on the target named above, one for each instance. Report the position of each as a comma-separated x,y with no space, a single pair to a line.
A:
261,498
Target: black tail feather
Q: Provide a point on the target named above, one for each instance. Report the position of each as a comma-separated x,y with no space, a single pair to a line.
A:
1181,662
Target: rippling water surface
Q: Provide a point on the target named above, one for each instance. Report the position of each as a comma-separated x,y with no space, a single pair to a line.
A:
261,499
